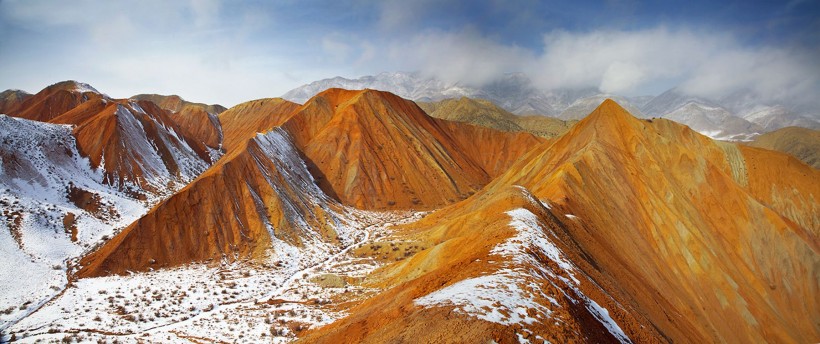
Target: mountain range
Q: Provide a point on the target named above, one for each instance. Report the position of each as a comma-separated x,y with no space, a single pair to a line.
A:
737,117
363,216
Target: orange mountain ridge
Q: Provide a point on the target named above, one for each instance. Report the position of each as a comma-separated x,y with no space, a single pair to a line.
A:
375,150
672,232
619,230
262,190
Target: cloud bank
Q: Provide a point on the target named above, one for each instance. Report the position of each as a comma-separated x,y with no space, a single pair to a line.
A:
623,62
228,52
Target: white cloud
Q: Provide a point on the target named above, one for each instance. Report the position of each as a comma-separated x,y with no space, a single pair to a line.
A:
620,62
209,45
463,56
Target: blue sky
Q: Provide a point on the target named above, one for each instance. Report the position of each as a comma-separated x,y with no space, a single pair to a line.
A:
232,51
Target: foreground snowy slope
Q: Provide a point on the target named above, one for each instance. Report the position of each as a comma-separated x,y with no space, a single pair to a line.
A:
55,207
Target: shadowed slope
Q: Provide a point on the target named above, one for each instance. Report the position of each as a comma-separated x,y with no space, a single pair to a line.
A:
201,125
10,100
698,236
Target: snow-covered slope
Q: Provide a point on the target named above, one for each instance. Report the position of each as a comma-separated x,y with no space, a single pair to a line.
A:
55,207
778,116
715,122
671,100
706,116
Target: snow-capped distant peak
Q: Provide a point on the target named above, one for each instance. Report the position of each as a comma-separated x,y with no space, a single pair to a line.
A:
83,87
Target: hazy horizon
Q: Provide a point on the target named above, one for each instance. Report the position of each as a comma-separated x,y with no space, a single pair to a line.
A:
225,52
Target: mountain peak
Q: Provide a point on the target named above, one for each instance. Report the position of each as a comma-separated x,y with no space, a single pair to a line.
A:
73,85
609,111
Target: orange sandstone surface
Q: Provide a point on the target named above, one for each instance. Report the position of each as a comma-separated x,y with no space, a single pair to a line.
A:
678,237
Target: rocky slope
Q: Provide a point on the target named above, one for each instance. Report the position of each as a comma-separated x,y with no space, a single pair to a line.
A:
196,118
85,167
55,207
266,195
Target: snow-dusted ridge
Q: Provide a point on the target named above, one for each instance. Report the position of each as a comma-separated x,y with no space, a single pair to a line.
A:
510,294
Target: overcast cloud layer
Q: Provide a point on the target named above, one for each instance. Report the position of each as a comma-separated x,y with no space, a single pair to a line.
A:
229,52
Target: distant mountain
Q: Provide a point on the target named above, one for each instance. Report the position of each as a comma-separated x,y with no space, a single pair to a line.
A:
517,94
55,100
176,104
582,107
741,105
485,113
715,122
801,143
10,100
514,92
